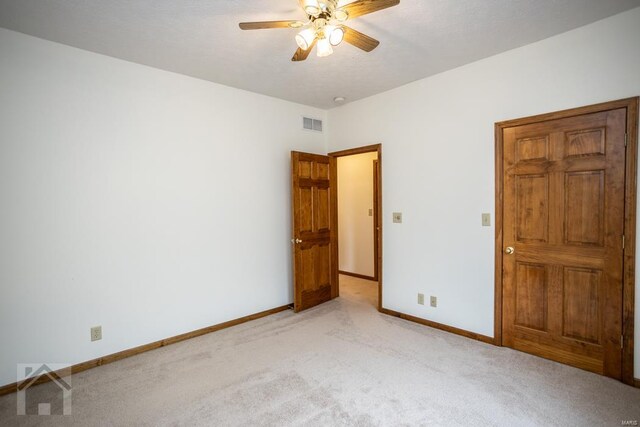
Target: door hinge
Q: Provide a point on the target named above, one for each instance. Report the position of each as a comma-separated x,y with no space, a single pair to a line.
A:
623,241
626,137
621,341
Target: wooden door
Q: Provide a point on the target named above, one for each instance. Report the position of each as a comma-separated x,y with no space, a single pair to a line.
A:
563,222
315,250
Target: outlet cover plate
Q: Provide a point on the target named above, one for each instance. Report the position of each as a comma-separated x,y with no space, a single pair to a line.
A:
421,299
96,333
434,301
397,217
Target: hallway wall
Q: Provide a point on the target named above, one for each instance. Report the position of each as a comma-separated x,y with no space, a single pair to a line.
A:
355,225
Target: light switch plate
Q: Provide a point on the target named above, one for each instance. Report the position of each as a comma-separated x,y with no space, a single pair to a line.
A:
421,299
486,220
370,212
397,217
434,301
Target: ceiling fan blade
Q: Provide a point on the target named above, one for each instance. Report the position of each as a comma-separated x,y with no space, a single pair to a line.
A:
359,40
270,24
363,7
301,55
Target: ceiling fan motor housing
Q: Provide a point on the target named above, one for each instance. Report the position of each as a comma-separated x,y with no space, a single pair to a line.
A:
328,10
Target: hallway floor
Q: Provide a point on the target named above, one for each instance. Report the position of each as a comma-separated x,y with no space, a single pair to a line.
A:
359,290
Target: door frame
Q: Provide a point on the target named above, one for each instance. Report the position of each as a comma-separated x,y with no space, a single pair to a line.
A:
376,217
377,209
631,165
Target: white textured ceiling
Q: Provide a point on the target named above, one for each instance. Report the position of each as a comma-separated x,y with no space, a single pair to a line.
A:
201,38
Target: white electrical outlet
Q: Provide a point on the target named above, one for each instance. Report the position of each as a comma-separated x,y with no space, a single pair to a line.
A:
421,299
434,301
397,217
96,333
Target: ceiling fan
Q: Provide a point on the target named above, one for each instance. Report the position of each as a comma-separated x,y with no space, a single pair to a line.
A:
325,25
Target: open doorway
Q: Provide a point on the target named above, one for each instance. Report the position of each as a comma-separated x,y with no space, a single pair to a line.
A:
359,223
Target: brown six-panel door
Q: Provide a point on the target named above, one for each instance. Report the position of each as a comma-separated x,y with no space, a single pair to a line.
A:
563,222
314,229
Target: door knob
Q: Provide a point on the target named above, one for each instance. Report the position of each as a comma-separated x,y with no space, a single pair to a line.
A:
296,241
509,250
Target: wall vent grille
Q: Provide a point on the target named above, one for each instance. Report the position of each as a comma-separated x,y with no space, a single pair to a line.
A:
309,123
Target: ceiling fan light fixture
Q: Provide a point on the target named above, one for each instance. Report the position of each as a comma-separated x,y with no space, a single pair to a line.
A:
336,35
324,47
305,37
324,25
341,15
311,7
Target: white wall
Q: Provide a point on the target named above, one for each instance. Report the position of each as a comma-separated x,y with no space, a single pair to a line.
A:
355,226
144,201
438,150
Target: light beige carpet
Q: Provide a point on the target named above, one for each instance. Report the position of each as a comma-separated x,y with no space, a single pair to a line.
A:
341,363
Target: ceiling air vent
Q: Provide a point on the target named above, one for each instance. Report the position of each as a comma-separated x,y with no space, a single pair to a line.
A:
311,124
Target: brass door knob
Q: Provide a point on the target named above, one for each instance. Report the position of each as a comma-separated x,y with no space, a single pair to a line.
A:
509,250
